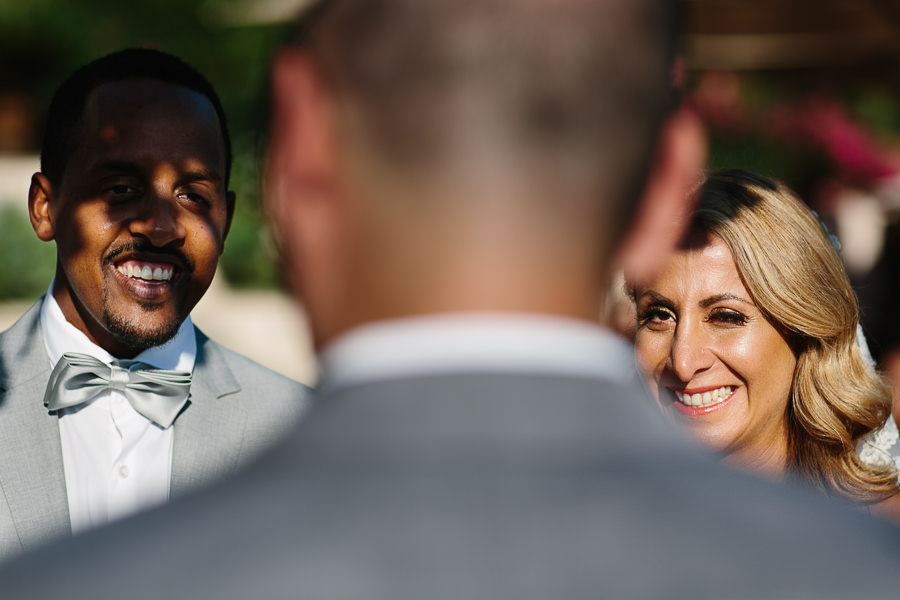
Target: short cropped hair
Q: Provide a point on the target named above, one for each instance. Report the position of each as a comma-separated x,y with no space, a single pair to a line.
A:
795,276
578,87
65,116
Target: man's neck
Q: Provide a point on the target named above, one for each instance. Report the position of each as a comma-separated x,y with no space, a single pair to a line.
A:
61,336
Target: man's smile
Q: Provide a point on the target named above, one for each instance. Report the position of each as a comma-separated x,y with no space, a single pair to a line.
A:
147,271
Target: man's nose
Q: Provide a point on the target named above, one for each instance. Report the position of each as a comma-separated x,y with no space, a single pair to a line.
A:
158,221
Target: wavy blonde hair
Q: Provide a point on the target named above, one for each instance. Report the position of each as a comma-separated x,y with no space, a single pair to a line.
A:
793,272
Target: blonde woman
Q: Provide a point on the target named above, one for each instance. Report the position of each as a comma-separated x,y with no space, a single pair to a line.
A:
749,338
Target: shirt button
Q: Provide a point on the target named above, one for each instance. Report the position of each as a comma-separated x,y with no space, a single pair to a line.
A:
123,471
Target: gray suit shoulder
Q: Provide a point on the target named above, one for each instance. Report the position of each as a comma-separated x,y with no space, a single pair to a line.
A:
22,353
238,409
267,391
284,384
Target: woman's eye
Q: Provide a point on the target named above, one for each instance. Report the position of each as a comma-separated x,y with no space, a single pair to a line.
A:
656,317
728,317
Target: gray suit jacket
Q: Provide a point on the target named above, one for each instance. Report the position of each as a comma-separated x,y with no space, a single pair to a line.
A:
479,486
237,408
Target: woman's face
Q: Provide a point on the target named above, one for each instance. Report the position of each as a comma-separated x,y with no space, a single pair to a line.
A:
714,362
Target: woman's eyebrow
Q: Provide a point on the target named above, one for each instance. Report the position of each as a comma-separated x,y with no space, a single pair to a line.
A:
707,302
655,297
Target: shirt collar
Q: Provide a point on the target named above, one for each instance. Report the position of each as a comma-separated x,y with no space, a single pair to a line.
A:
60,336
476,342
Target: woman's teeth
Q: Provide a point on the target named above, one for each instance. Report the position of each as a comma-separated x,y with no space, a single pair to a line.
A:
146,273
706,398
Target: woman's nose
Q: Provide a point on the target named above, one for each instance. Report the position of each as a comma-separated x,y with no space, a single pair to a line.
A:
690,352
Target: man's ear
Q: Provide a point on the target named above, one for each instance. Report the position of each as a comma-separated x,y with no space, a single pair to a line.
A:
665,208
301,144
40,198
304,194
302,170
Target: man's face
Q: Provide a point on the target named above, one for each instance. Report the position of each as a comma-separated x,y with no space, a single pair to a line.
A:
141,214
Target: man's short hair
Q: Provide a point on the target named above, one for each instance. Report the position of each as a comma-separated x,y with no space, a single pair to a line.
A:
578,87
66,112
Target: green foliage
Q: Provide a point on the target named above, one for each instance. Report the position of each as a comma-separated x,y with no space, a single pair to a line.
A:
801,131
250,258
249,254
27,263
877,109
751,152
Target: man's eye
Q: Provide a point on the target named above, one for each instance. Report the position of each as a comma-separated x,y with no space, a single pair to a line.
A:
121,190
194,198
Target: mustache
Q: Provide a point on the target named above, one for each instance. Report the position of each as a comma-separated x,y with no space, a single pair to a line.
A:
138,247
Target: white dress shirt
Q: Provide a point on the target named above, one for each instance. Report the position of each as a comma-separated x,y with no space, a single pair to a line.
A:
476,343
116,461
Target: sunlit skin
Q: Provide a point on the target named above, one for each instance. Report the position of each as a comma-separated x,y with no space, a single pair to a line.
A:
144,188
698,332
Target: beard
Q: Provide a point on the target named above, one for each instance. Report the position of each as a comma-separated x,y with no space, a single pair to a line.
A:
139,337
130,332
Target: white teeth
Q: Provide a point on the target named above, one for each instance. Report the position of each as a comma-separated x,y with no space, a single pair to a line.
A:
146,272
706,398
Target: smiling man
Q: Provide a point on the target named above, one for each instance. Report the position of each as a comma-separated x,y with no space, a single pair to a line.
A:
111,400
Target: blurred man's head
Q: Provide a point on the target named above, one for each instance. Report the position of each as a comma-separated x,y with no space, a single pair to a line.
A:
133,191
464,155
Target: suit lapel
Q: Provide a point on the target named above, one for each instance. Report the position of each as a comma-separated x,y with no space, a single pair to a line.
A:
210,430
32,477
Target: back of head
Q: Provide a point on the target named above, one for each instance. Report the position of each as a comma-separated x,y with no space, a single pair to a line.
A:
64,117
563,98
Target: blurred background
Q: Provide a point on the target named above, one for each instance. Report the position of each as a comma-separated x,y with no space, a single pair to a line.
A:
807,91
